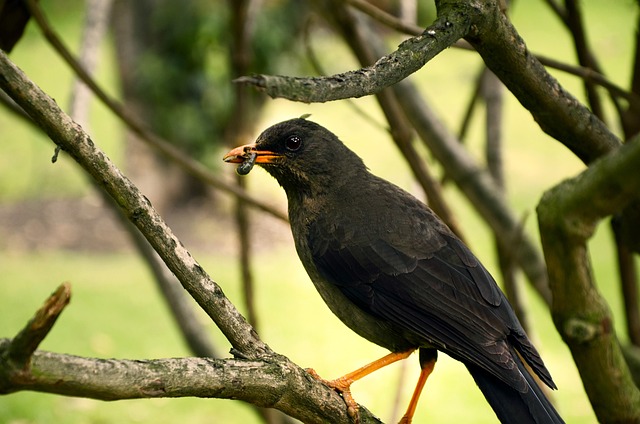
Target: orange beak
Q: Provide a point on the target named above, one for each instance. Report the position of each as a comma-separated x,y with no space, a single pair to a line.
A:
240,153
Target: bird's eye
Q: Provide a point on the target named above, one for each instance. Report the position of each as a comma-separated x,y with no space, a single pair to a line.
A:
293,143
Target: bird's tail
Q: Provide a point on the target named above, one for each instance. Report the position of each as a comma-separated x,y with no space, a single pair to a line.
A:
512,406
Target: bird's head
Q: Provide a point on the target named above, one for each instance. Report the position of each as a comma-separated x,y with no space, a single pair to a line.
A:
301,155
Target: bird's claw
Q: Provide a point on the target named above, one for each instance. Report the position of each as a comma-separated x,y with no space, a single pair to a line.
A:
343,387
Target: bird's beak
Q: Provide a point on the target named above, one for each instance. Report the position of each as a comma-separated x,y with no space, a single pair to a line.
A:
240,153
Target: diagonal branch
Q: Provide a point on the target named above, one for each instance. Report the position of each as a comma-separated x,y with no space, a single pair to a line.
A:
19,352
70,137
556,111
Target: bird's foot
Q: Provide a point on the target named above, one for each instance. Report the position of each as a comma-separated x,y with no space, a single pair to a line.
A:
343,387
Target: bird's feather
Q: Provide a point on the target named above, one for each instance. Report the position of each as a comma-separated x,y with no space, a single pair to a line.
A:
434,287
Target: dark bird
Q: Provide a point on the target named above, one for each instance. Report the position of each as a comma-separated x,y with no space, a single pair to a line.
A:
394,273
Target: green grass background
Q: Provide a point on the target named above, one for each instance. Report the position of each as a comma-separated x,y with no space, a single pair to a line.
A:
116,310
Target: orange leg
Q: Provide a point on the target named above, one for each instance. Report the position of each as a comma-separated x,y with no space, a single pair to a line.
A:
427,363
343,384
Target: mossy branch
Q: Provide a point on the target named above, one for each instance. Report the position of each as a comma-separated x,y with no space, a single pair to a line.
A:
568,215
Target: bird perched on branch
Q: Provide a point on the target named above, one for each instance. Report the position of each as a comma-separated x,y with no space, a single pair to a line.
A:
394,273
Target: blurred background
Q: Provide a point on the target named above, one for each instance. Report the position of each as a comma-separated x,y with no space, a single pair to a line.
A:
170,63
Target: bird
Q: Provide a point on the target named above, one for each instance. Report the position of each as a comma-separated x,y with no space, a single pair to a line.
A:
393,272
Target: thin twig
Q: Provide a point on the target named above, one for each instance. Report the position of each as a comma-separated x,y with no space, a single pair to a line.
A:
471,106
585,55
25,343
591,75
385,18
12,107
241,123
557,9
631,117
95,28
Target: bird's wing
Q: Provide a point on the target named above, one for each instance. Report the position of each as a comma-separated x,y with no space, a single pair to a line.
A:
444,296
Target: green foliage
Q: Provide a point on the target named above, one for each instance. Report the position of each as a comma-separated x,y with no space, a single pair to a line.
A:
184,75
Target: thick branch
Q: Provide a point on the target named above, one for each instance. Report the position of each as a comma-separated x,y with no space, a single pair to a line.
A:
276,383
567,217
557,112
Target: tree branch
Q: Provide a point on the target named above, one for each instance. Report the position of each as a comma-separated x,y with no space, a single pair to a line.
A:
486,27
271,383
70,137
567,216
557,112
410,56
585,73
18,353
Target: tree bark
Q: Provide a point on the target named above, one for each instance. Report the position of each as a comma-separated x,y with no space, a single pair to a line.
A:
567,216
